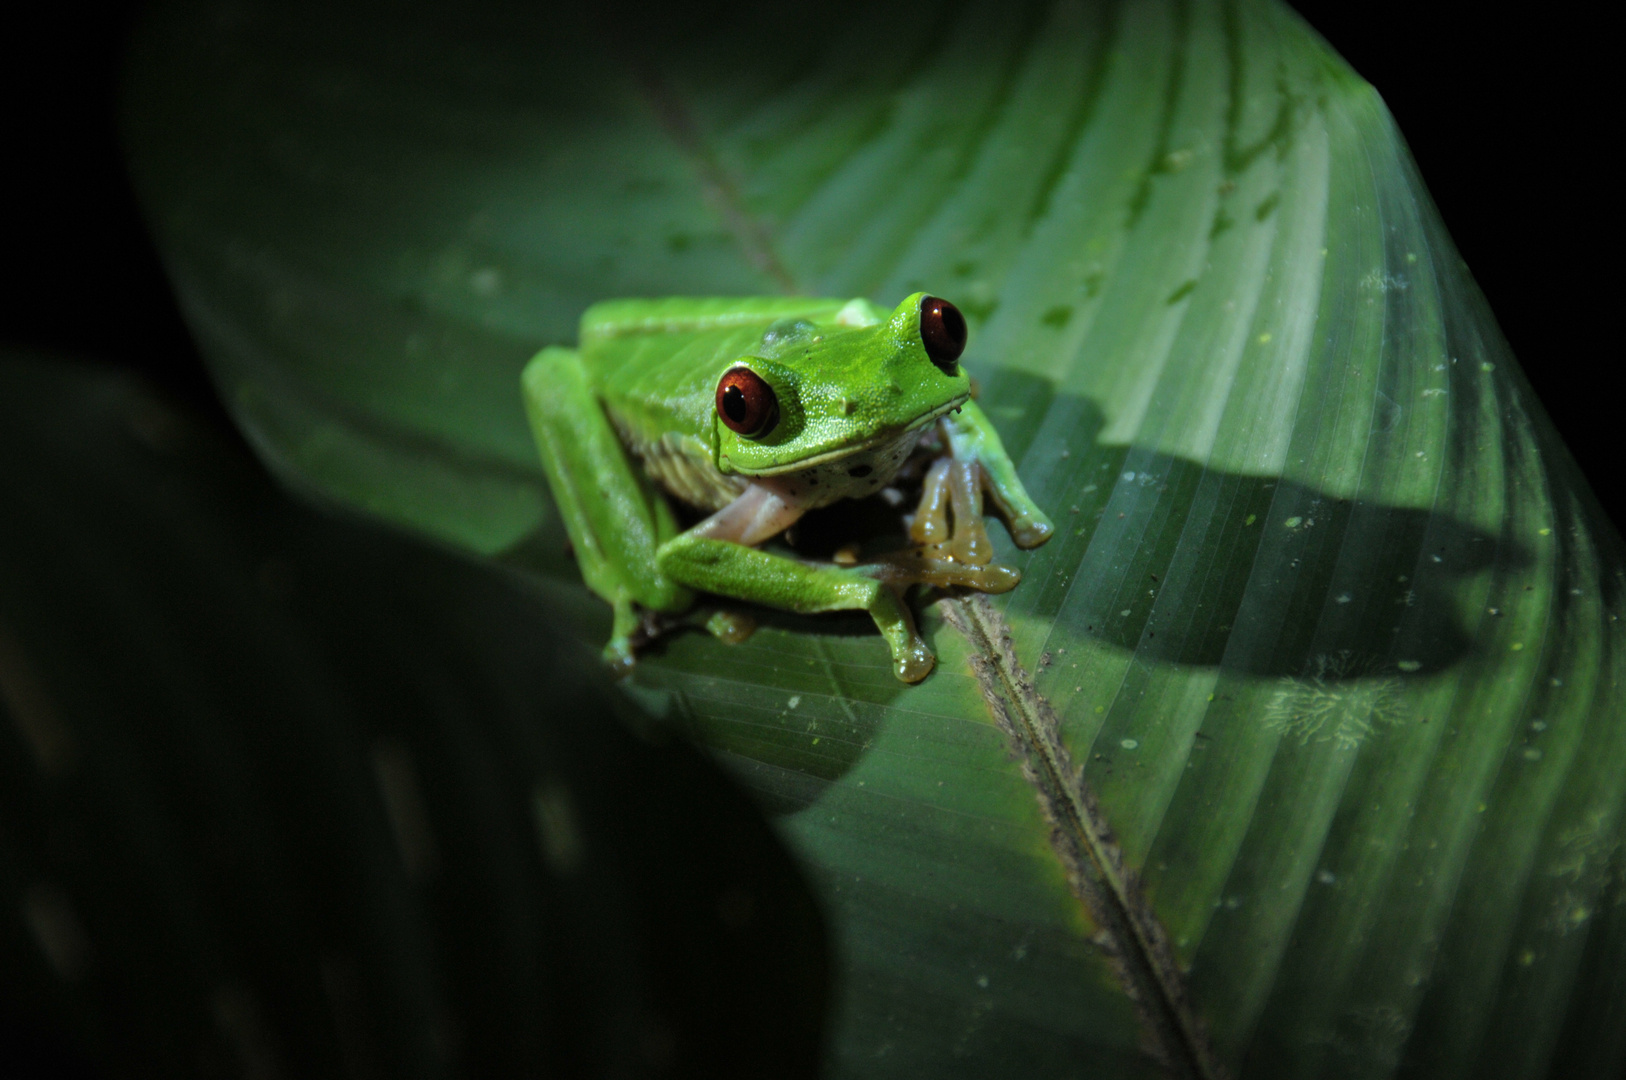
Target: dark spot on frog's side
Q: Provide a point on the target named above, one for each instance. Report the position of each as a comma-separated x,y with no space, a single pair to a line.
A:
858,472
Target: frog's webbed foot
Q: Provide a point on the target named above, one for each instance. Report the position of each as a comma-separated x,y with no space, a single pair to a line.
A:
945,556
629,633
918,566
637,628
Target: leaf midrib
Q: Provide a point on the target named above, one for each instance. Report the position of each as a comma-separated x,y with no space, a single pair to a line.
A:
1082,840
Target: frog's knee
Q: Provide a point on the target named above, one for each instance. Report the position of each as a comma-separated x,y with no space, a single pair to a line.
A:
670,562
653,589
664,595
541,370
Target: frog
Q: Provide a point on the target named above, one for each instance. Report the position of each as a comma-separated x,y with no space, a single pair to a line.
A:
754,411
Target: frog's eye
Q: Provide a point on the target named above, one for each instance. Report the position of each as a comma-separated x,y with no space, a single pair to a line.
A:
746,403
942,331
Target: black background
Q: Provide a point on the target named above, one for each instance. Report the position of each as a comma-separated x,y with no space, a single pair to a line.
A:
1507,118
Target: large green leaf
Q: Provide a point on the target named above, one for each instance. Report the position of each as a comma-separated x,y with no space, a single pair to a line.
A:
1299,749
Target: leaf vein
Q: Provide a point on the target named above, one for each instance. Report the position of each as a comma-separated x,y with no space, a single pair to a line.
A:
1129,931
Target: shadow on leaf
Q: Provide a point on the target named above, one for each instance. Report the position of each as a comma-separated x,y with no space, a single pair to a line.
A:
1154,555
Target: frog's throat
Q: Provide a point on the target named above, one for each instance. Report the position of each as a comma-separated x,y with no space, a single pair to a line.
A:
882,439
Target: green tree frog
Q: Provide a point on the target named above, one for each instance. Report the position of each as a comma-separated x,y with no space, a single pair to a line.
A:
758,410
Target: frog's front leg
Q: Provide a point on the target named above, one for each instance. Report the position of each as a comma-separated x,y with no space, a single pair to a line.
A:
615,518
718,556
952,546
957,484
972,438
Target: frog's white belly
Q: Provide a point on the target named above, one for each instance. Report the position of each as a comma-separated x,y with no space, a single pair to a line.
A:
682,466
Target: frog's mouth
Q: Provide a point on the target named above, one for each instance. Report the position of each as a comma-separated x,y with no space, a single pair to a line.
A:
868,446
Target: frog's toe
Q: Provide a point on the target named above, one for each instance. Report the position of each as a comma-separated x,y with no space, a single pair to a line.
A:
619,657
992,578
971,544
926,566
1031,530
913,662
619,654
731,627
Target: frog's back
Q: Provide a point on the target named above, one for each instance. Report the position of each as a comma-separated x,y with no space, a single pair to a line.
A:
612,319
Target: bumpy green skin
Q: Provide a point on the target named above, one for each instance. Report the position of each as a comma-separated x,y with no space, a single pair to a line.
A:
630,418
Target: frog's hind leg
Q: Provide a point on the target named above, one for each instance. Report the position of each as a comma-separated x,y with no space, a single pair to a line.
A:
719,556
615,517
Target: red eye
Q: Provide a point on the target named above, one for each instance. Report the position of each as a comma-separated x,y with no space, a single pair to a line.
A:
746,403
942,331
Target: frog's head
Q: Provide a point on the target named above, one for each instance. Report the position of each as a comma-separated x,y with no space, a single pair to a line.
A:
811,395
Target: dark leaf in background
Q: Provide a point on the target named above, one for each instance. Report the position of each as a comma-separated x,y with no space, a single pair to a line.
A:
286,795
